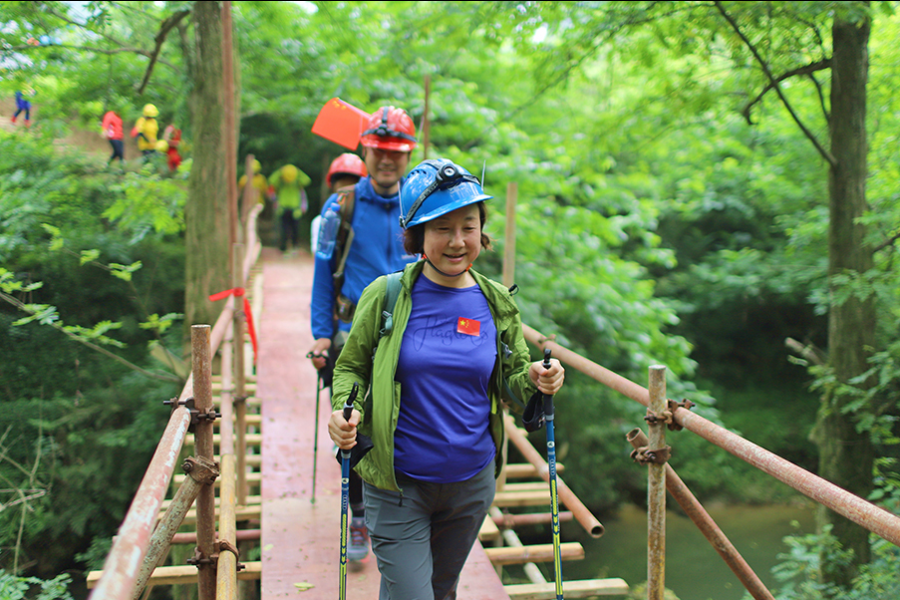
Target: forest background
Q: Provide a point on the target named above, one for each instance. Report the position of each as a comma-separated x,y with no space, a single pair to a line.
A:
677,206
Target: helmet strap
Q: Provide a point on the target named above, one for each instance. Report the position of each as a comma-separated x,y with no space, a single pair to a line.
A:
428,260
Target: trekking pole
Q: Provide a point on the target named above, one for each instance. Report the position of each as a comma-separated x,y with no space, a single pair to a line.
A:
554,495
345,496
316,435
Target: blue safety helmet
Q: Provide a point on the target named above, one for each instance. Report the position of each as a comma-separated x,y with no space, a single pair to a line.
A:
434,188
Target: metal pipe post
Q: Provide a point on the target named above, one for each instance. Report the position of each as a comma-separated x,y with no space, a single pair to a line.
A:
656,490
706,525
203,446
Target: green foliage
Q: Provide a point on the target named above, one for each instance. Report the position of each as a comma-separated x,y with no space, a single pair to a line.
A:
69,412
33,588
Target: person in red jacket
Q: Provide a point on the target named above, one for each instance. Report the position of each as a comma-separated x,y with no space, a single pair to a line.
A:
112,129
172,136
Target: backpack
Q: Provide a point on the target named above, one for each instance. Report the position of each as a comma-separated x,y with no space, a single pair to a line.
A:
347,202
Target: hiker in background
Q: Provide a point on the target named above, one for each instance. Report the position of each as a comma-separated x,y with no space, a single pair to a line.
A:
434,410
289,183
372,210
172,137
345,171
112,130
146,130
258,183
22,105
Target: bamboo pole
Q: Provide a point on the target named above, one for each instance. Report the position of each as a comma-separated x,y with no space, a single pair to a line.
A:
228,126
240,393
426,128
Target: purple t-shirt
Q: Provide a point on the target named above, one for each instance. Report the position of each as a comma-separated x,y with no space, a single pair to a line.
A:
446,359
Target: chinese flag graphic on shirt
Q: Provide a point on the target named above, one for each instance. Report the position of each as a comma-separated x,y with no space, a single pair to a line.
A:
468,326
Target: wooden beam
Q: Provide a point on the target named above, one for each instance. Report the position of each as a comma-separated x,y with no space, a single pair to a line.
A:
241,513
508,555
489,530
536,498
252,479
527,486
527,470
253,439
584,588
183,574
250,500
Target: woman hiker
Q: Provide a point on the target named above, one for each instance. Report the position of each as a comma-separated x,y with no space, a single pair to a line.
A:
434,410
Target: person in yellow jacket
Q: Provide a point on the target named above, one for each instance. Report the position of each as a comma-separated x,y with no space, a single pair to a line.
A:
291,204
258,183
146,130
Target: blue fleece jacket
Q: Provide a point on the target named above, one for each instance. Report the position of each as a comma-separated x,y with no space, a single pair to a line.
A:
377,249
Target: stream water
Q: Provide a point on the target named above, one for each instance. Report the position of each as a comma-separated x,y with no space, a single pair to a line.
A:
694,571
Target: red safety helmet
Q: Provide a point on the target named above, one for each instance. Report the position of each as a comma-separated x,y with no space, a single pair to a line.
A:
390,129
346,163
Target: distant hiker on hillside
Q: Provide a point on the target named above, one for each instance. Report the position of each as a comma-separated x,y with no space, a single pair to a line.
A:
22,105
146,130
112,130
371,209
172,137
289,183
437,382
345,171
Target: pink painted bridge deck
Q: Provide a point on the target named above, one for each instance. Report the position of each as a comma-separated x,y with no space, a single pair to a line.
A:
301,540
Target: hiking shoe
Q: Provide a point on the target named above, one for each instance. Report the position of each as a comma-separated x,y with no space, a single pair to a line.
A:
359,539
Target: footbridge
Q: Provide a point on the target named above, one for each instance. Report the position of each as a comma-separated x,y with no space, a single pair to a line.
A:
242,497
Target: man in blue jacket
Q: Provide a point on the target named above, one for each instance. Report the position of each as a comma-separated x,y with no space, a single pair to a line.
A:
374,248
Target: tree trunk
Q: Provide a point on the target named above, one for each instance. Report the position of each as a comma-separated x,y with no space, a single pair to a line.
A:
206,213
846,456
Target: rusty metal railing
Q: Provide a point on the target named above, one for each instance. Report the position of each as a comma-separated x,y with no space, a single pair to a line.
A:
141,543
860,511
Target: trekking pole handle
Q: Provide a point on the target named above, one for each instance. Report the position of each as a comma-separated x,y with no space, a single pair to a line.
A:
548,398
348,405
348,412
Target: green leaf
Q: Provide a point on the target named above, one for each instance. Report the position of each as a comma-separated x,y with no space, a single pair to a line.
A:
89,256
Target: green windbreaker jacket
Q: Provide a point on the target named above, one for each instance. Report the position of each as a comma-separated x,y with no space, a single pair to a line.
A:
380,408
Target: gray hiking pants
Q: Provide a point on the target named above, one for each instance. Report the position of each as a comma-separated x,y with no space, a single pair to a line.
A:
422,538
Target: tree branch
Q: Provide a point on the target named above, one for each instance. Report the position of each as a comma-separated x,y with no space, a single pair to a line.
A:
120,50
889,242
164,30
804,70
91,345
808,351
762,63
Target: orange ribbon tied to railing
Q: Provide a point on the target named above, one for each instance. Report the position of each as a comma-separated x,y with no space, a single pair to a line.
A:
240,293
